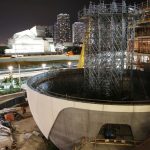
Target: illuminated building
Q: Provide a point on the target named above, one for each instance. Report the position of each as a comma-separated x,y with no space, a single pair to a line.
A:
78,31
31,41
56,33
142,35
62,30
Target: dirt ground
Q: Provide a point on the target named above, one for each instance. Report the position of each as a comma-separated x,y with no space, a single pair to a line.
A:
27,135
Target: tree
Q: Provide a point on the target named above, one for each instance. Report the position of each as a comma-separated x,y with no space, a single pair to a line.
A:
2,49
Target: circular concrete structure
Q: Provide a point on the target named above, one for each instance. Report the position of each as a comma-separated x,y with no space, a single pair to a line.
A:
64,117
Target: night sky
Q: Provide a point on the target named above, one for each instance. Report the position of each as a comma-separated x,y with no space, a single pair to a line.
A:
18,15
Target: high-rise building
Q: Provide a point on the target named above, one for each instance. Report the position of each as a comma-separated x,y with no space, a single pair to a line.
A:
56,33
78,32
62,30
49,31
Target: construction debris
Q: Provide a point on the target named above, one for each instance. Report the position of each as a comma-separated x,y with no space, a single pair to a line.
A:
5,141
18,130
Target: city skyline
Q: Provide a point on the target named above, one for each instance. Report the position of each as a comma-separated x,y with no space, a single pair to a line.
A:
18,15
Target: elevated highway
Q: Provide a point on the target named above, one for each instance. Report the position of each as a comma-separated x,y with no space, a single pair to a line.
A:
39,58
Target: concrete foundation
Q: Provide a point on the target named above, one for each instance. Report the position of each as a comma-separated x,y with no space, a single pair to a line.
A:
65,121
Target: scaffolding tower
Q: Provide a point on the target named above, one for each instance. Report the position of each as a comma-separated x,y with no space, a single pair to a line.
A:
105,47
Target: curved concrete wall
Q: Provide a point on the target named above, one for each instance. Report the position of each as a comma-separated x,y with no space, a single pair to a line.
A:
66,121
72,124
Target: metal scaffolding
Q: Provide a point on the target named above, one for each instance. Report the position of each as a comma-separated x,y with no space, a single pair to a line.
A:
105,47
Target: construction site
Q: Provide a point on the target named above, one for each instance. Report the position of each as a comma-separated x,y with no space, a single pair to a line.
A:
142,36
113,62
105,102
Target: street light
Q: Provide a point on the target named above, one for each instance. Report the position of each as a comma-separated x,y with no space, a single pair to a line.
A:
19,75
69,64
10,68
43,66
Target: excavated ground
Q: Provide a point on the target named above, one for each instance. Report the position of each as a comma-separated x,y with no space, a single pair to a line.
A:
27,134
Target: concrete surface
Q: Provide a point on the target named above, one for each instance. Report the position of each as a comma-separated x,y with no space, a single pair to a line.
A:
11,96
72,124
40,58
144,146
65,122
89,146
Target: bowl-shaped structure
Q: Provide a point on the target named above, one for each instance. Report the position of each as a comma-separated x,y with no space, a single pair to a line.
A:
64,113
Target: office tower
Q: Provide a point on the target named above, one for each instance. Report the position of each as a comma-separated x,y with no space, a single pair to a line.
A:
62,30
78,32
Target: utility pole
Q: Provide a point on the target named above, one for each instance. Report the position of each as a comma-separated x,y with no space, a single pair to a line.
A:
19,74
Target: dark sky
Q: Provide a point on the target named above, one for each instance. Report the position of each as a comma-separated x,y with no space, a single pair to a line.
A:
18,15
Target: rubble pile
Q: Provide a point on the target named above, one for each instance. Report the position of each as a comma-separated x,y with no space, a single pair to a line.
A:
18,131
